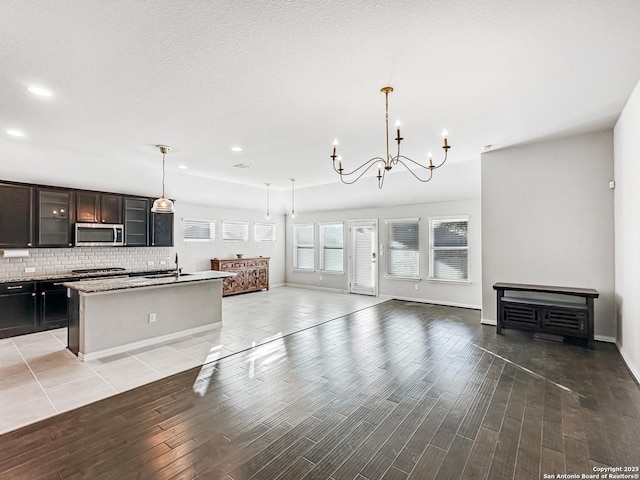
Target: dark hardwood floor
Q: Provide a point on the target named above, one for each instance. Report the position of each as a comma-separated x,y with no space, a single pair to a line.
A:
395,391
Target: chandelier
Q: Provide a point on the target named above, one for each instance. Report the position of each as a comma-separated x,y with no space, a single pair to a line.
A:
385,165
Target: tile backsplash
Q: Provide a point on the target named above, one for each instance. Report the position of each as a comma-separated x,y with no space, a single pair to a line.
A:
47,261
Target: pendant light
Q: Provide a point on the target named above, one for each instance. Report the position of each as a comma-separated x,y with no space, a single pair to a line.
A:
293,210
162,204
268,215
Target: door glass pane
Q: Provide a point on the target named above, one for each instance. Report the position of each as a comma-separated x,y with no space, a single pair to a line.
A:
363,272
54,218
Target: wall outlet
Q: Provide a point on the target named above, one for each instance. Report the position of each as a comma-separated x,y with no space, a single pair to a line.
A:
150,263
29,269
320,277
417,286
152,318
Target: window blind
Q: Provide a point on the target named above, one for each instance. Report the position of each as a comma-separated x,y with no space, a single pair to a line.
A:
449,249
303,247
194,230
235,231
403,248
331,247
265,232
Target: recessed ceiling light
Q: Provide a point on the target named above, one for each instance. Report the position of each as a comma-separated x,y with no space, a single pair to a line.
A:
40,91
182,167
15,133
242,165
236,149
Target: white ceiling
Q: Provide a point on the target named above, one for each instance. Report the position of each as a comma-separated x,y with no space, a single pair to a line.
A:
282,79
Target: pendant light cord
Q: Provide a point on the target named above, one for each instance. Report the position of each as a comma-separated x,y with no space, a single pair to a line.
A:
163,172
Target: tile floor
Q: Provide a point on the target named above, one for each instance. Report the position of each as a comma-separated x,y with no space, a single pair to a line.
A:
40,378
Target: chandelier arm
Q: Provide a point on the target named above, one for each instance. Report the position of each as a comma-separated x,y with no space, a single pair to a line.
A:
446,153
371,164
381,179
411,171
367,164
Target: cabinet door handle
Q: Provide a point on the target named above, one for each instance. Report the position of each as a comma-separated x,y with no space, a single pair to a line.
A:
43,293
15,287
33,294
29,244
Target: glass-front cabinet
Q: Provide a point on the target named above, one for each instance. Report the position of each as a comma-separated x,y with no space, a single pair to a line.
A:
54,218
136,221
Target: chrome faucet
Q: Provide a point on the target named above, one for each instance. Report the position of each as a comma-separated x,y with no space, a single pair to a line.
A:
177,272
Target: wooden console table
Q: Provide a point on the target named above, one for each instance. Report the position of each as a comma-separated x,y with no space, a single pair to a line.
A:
252,274
540,314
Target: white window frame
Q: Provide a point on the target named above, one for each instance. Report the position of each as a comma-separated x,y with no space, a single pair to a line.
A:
245,233
260,224
388,248
322,247
433,249
295,247
212,229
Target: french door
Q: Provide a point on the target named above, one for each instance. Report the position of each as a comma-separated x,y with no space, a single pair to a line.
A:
363,261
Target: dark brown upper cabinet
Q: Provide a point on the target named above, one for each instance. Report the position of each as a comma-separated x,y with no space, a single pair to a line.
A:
161,229
55,217
136,221
93,207
16,216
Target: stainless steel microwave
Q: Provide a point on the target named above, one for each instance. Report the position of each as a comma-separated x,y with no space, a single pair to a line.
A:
99,234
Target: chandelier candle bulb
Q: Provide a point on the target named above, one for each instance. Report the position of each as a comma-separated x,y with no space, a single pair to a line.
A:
444,135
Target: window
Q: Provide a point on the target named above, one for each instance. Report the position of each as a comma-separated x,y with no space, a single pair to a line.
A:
303,247
449,249
265,232
403,248
194,230
331,247
235,231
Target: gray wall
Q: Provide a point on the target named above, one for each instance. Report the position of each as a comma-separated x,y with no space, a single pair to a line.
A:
196,256
547,218
627,220
467,295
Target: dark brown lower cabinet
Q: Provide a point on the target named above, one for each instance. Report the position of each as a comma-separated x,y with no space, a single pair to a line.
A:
565,311
53,305
18,309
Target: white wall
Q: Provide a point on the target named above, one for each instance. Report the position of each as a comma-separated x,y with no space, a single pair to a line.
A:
627,227
547,219
467,295
195,256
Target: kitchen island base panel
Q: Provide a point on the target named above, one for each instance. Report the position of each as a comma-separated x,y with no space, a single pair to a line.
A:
149,342
110,322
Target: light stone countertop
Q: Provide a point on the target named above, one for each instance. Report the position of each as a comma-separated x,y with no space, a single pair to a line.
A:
102,285
70,275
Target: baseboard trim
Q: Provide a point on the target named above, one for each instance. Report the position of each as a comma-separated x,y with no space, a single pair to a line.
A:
314,287
602,338
145,343
433,302
488,321
627,361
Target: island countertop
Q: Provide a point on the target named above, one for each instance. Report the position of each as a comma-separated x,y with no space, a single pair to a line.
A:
87,287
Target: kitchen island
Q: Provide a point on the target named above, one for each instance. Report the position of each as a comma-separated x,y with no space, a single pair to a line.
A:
113,315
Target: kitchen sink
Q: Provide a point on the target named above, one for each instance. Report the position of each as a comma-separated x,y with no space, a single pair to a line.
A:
165,275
